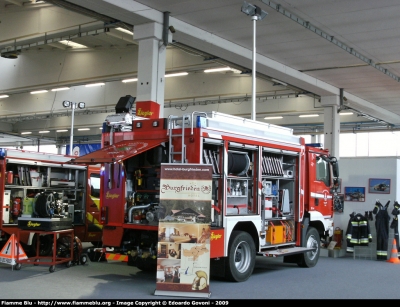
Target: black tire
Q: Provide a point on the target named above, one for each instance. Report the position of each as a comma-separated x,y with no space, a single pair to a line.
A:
68,264
146,264
83,259
241,257
17,266
52,268
45,244
312,240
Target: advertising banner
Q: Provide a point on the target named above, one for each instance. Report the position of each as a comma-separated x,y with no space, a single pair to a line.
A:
183,260
82,149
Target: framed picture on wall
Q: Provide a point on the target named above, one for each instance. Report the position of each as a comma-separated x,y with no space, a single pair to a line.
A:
354,193
379,186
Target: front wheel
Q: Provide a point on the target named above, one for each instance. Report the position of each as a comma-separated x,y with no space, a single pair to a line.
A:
310,259
241,257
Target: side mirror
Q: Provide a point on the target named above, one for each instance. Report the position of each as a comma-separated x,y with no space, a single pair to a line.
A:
335,169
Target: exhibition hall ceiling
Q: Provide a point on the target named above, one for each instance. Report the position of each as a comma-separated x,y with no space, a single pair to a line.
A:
313,48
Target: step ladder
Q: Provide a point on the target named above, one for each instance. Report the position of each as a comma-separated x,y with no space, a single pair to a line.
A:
178,122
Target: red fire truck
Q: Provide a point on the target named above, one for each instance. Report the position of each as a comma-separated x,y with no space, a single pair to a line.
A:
71,191
272,195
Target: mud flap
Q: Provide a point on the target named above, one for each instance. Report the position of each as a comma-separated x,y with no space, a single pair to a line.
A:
217,267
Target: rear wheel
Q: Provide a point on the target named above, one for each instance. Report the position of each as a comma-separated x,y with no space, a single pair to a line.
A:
241,257
310,259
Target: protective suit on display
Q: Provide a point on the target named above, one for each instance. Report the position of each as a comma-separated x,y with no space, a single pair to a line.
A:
395,223
382,219
358,232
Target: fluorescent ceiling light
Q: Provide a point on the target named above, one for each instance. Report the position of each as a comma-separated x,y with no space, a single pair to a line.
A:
94,84
176,74
129,80
26,132
346,113
217,69
72,44
83,129
309,115
280,82
273,117
39,92
4,96
44,131
124,30
62,130
60,89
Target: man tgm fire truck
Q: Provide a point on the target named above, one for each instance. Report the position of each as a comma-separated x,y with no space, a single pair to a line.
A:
43,188
272,195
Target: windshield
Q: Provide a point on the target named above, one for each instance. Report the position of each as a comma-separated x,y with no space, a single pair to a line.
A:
323,173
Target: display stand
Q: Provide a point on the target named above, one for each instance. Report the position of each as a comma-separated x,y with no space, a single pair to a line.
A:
53,260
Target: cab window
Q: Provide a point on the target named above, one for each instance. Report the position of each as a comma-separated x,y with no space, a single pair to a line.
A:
322,170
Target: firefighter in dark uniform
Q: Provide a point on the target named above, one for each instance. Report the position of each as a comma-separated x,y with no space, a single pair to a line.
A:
395,223
382,219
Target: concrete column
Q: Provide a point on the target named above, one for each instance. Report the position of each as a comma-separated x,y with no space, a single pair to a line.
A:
151,63
331,124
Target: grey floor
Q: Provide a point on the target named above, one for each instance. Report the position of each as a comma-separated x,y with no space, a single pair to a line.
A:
332,278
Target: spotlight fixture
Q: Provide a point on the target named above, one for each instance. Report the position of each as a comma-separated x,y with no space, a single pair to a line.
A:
66,103
256,13
253,10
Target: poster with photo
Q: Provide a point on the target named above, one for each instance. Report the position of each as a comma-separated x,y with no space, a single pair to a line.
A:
183,250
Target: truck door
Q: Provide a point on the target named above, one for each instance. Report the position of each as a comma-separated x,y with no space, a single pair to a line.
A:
113,191
320,183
